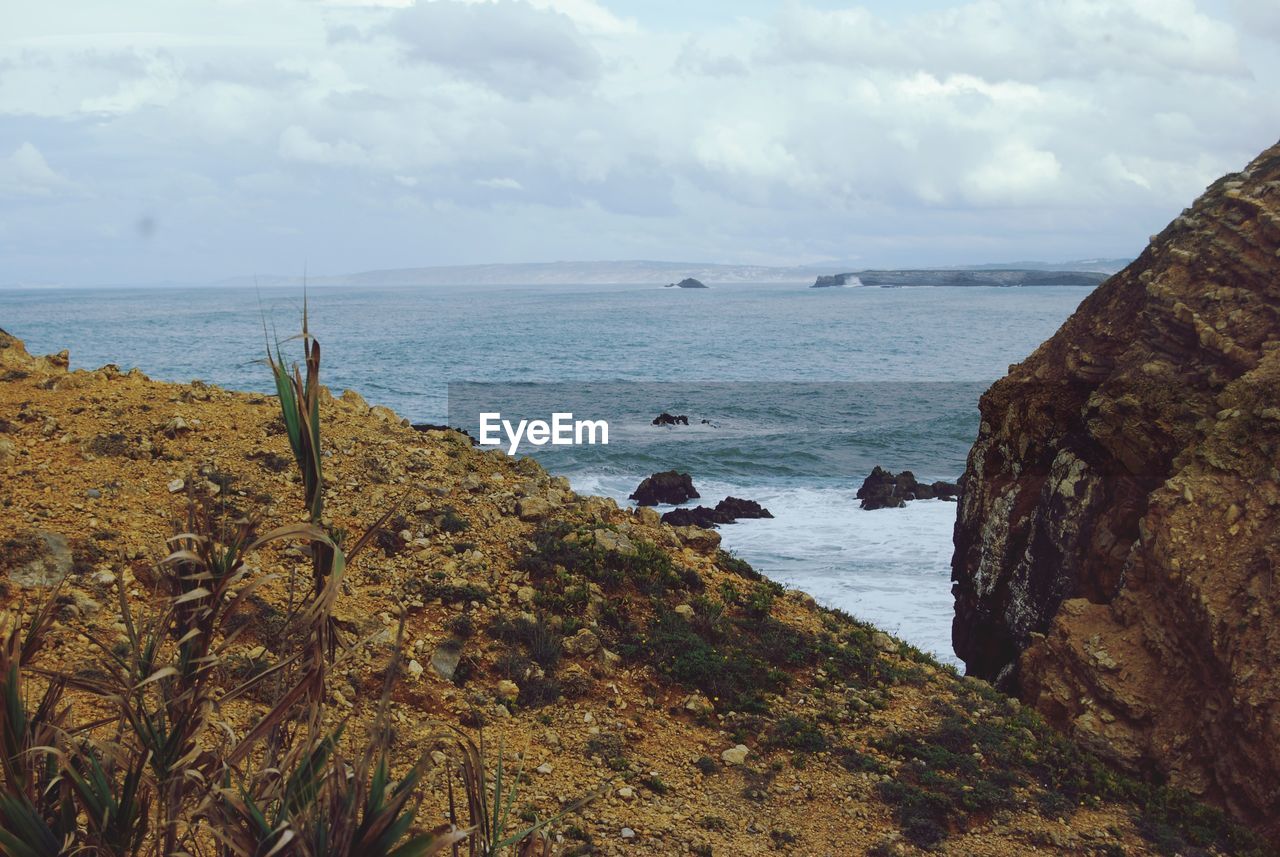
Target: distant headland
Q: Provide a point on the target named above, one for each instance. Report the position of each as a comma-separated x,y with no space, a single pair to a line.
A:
1005,277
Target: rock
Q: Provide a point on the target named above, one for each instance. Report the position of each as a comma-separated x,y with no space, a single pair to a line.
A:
176,426
526,594
176,485
1099,570
445,659
666,419
414,669
544,769
533,508
7,449
41,559
685,611
698,516
628,833
506,690
585,642
668,487
626,793
686,283
698,704
883,490
647,516
734,508
704,541
612,540
883,642
735,755
726,511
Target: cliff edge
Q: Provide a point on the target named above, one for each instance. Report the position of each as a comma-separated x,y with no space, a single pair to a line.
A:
1117,545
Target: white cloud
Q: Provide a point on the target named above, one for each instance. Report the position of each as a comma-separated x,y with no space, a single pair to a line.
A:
515,48
503,183
25,173
381,132
297,144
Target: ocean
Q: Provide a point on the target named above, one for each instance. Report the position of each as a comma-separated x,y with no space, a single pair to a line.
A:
802,390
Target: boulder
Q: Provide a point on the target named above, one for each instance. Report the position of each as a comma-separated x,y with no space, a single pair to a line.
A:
733,508
669,487
726,511
883,490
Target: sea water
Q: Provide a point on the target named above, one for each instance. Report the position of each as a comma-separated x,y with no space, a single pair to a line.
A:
803,391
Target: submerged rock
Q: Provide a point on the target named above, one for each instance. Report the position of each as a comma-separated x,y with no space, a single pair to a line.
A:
666,419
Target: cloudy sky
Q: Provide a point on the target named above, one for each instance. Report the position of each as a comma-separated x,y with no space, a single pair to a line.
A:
157,140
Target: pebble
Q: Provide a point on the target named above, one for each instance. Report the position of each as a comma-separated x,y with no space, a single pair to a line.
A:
628,833
176,485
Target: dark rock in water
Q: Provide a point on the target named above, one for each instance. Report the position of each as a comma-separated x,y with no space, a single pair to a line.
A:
687,283
884,490
666,419
667,487
727,511
698,516
735,508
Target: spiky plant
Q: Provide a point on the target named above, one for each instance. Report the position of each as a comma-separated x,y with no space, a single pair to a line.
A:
490,802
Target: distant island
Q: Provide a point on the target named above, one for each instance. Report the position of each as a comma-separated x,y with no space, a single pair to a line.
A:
687,283
1004,277
632,272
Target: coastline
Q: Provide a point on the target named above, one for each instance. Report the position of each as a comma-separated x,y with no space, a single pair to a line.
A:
94,456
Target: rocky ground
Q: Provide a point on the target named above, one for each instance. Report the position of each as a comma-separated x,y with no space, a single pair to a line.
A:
714,712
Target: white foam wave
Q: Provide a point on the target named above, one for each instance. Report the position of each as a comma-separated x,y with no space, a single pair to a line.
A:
890,567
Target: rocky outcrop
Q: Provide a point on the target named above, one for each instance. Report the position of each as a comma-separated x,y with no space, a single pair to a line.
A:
1004,277
727,511
670,487
666,419
687,283
883,490
1117,551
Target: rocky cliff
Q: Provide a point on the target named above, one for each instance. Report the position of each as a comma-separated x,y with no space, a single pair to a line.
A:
1117,544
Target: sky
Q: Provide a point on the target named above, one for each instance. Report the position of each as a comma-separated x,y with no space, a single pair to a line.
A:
147,141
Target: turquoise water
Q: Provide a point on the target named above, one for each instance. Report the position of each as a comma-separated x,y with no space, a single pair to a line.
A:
904,367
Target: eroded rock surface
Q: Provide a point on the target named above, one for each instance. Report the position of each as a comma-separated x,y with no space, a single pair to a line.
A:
1118,540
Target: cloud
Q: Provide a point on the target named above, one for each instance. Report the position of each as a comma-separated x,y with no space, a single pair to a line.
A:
373,133
25,173
511,47
297,144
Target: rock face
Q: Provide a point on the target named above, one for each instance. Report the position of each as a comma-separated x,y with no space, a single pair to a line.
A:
1117,551
883,490
666,487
